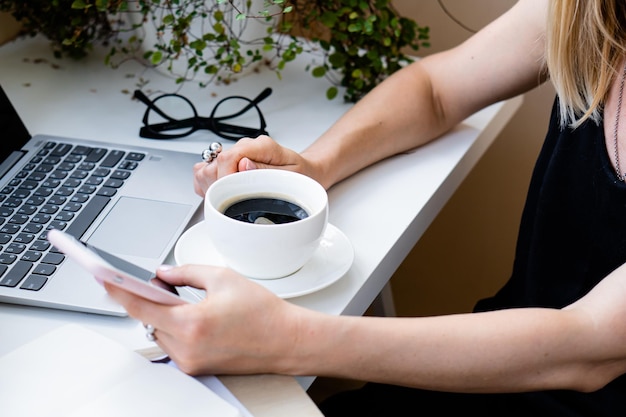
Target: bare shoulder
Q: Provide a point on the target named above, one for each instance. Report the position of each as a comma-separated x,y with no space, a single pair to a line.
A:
536,11
521,29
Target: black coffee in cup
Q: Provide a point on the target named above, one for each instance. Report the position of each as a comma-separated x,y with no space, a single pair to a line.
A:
265,210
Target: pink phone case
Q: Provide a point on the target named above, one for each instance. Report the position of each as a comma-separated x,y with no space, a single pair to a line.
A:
103,271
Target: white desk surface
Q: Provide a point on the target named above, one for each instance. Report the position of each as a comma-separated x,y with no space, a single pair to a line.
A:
87,99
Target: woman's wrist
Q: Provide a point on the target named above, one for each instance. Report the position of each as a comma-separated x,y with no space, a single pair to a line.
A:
310,343
319,167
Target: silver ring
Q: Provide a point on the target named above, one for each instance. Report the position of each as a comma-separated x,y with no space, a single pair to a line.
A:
211,152
150,332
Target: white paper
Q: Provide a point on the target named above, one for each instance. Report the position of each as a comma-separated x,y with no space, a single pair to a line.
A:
73,371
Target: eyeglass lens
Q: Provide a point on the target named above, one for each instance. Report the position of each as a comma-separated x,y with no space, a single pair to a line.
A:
173,109
230,111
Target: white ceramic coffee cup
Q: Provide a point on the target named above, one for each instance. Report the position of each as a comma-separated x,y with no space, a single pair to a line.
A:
266,251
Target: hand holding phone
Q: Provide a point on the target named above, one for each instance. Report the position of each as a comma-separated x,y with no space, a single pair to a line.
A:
109,268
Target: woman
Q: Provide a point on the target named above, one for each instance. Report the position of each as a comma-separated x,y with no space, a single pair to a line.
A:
545,343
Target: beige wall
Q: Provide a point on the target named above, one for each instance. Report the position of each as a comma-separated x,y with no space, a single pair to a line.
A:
8,27
467,253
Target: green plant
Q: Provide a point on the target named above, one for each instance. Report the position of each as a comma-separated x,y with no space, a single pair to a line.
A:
72,26
362,41
210,37
355,44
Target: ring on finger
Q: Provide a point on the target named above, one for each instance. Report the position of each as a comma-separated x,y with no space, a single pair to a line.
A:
211,152
150,332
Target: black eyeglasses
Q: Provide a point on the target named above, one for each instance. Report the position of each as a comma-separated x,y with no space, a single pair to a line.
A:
172,116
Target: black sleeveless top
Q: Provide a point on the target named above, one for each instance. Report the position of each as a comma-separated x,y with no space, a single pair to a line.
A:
572,234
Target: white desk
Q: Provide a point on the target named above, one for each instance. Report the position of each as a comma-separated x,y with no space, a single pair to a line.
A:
87,99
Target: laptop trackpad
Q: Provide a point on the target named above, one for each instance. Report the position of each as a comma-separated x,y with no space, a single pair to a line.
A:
139,227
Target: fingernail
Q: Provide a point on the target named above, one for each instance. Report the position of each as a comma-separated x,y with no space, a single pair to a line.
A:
250,165
165,268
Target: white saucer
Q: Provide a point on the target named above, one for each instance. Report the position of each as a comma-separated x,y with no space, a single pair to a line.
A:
329,263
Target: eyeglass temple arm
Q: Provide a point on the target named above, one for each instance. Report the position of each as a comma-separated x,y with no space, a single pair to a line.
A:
175,124
263,95
216,126
202,123
240,130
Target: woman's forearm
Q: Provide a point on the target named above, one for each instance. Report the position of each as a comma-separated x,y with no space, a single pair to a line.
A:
505,351
372,131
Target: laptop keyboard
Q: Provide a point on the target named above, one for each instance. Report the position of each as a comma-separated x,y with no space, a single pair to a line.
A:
64,187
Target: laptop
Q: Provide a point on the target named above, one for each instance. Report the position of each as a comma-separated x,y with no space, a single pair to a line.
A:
133,202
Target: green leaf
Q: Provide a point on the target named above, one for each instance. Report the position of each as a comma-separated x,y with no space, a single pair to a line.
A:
79,4
219,28
328,19
102,5
369,27
354,27
198,45
331,93
318,72
337,60
156,57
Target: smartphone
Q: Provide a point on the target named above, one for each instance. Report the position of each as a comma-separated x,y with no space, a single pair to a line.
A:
106,267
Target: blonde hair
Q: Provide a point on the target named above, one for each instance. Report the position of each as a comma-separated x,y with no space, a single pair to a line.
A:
585,46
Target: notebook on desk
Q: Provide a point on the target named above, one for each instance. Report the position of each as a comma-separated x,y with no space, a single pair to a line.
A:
131,201
75,372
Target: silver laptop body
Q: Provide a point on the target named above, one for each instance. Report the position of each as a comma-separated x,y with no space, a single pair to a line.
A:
133,202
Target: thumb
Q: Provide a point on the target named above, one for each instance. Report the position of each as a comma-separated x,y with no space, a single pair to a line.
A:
192,275
206,277
246,164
